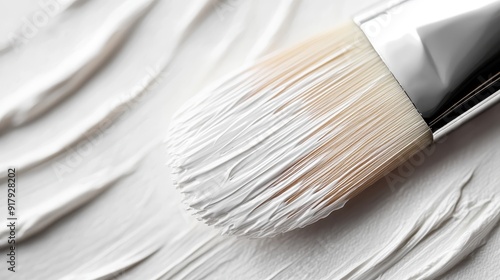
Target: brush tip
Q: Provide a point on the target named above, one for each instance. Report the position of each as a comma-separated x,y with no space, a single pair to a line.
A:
285,142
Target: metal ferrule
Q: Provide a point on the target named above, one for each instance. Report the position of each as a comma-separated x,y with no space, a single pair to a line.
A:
444,53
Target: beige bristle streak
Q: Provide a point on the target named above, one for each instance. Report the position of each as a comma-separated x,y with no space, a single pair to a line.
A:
286,141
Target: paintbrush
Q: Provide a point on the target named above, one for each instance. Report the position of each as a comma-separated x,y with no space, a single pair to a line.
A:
284,142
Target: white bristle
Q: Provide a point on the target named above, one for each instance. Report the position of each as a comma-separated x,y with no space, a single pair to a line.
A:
285,142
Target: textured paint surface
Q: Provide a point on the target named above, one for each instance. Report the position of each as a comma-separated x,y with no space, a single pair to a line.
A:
91,168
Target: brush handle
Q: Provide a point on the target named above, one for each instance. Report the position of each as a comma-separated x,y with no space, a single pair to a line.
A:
444,53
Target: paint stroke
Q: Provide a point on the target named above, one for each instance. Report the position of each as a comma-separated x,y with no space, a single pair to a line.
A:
116,268
279,22
432,218
136,252
90,129
195,255
208,263
232,35
187,25
45,92
37,218
279,271
47,9
110,113
457,243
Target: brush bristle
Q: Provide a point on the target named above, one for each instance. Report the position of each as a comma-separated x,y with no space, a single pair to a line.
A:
285,142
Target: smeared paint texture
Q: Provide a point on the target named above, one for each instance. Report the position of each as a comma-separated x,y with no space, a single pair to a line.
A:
46,91
38,217
430,220
117,215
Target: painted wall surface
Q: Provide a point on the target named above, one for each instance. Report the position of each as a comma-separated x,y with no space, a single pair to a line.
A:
87,89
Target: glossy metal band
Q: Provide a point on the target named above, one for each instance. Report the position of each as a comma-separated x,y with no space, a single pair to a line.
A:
444,53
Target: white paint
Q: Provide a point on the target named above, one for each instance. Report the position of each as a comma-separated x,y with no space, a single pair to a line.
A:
42,215
53,87
90,129
137,254
460,241
137,227
430,220
46,11
279,23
